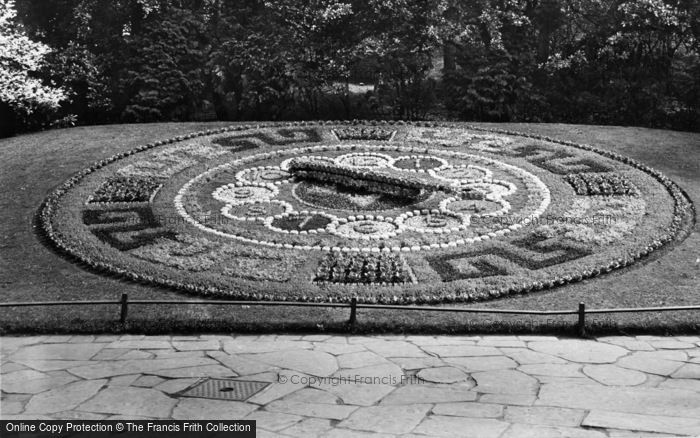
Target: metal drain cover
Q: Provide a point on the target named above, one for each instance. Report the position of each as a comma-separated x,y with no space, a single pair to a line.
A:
225,389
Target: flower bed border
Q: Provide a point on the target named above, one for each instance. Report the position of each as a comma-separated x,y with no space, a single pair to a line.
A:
684,218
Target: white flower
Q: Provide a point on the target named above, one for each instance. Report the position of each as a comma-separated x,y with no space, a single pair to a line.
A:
20,56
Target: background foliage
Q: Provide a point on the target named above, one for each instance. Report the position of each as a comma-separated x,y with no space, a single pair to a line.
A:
625,62
24,99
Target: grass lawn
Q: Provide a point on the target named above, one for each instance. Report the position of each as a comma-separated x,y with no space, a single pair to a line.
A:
33,165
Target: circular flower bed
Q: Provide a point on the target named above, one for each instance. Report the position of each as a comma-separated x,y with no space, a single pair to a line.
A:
399,213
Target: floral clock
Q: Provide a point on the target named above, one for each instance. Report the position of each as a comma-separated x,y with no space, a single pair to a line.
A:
386,212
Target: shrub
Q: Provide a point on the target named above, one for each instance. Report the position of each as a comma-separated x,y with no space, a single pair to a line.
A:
25,101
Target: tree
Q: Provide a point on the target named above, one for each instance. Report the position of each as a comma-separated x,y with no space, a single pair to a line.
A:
22,94
163,77
280,59
496,48
627,62
634,62
402,36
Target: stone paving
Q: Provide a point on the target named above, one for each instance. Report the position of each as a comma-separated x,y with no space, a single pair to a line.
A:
386,386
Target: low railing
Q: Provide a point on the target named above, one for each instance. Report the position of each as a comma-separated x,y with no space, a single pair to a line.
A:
353,305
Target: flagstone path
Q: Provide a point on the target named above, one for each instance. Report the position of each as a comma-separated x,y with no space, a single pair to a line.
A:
387,386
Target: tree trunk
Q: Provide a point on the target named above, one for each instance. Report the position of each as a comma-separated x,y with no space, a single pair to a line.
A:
8,126
449,54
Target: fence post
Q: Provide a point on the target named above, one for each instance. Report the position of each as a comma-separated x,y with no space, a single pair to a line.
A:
581,319
353,311
125,308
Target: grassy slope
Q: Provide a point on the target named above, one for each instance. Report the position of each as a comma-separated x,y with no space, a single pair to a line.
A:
32,165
